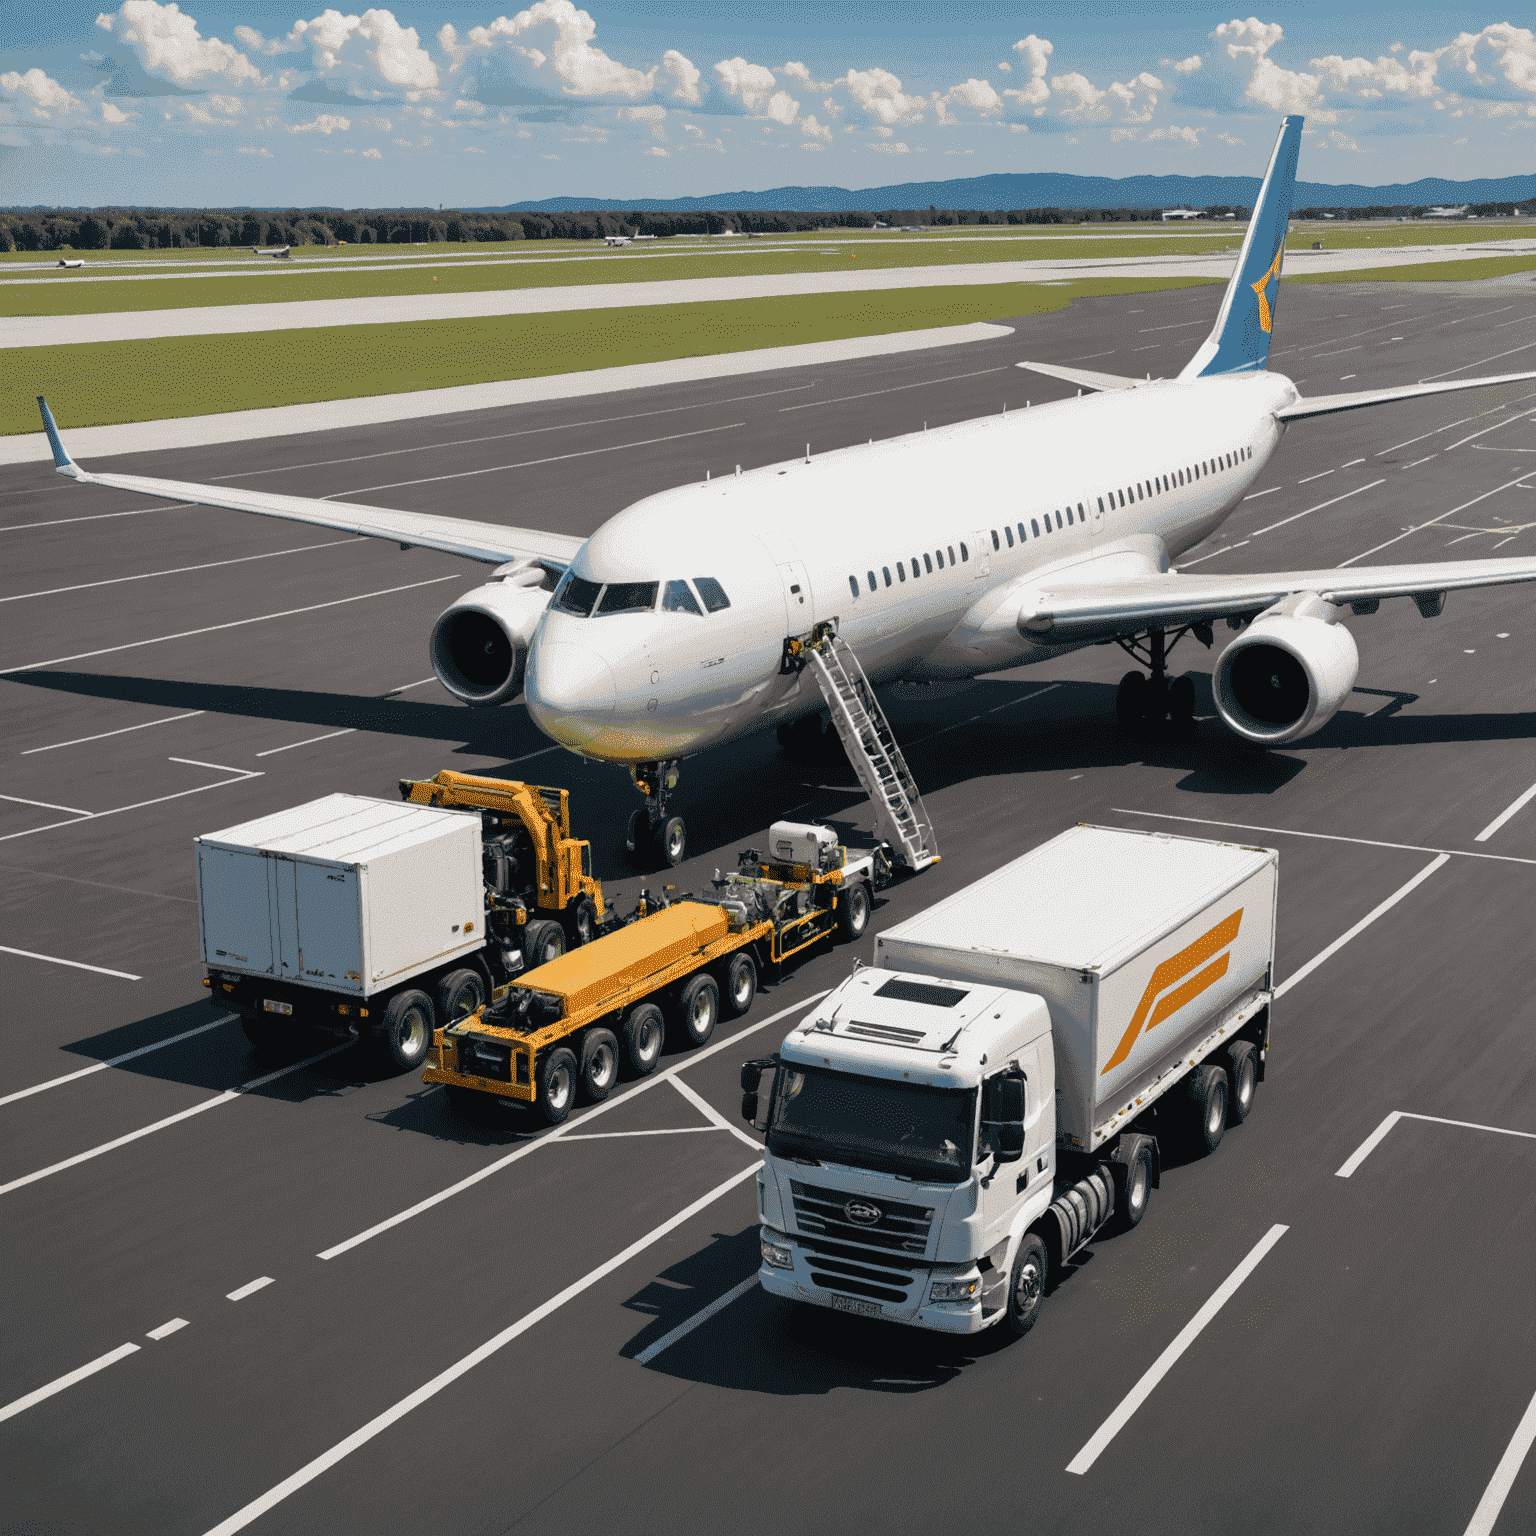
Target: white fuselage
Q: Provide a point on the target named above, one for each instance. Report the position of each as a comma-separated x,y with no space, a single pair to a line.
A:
920,549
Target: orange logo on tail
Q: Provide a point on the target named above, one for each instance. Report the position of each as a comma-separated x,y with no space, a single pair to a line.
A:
1266,314
1175,970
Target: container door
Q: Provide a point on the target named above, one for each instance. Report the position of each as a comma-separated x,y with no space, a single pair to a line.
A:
330,934
235,904
290,961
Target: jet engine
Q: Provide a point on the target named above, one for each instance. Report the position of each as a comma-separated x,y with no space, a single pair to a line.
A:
479,646
1287,673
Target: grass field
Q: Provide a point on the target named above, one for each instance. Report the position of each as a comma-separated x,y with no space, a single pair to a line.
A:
1429,271
94,383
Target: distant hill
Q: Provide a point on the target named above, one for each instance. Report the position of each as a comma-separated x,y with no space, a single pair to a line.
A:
1050,189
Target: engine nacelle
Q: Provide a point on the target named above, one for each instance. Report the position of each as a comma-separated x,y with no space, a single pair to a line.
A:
1287,674
479,646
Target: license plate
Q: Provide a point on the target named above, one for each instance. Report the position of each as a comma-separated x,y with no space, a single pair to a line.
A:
276,1007
855,1304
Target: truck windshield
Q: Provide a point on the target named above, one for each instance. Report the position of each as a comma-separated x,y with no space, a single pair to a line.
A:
872,1122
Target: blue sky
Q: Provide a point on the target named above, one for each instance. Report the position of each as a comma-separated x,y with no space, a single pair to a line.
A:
220,102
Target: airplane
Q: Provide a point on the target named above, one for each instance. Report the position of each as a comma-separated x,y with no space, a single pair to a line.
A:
980,546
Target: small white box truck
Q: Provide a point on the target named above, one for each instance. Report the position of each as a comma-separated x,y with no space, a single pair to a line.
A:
946,1129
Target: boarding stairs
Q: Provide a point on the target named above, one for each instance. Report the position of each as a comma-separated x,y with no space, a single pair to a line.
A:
871,746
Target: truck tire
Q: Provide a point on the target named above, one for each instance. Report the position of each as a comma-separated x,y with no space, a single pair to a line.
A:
853,912
459,994
406,1029
599,1070
740,989
1242,1080
543,941
698,1008
581,921
1026,1282
644,1031
1135,1187
1207,1090
555,1085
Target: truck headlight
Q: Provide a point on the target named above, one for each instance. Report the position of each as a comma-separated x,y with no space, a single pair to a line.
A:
954,1290
777,1253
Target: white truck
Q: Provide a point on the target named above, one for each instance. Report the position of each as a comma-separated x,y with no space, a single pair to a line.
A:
947,1129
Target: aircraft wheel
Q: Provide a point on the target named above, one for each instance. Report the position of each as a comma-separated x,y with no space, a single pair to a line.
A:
672,841
1129,698
1181,707
637,837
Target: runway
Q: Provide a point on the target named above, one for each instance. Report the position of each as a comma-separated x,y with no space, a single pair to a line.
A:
300,1296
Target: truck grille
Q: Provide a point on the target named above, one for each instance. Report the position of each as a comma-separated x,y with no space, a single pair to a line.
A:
899,1229
889,1032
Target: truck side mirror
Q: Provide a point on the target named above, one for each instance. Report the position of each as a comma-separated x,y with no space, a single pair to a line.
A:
1009,1099
1010,1141
752,1083
749,1108
751,1076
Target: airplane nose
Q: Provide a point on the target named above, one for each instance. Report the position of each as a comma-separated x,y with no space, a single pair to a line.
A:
569,691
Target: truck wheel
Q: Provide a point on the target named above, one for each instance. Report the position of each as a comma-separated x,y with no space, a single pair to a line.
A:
698,1008
459,994
555,1085
853,912
1026,1285
406,1030
740,984
644,1031
581,921
543,941
1208,1098
599,1065
1135,1188
1242,1080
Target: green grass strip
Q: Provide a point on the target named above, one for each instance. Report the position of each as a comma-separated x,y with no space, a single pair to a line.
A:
94,383
1426,272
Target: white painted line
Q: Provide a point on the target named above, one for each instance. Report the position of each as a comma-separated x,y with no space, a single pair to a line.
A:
570,1126
421,682
376,1426
165,1330
1328,837
811,405
1160,1367
101,1066
1450,425
227,1097
671,1130
1496,356
713,1115
309,741
81,740
47,805
249,1289
945,730
719,1304
95,517
208,629
1492,1501
1369,1145
21,1404
180,570
1352,463
1225,549
1376,1137
74,965
1270,492
1365,922
1398,538
1269,527
1494,428
1311,478
1498,821
1417,462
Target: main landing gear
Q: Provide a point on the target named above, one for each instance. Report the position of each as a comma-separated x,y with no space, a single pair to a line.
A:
1151,708
653,836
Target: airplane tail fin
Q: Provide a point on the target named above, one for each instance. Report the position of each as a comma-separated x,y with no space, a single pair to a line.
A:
1240,341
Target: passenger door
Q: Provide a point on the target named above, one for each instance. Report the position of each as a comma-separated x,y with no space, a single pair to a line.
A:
1095,514
981,555
799,601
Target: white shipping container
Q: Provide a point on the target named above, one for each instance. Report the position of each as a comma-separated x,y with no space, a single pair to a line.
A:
348,894
1139,942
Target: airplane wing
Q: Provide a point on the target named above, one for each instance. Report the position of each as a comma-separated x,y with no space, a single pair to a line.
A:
489,543
1085,377
1326,405
1074,610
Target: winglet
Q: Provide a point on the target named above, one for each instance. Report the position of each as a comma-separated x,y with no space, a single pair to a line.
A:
61,459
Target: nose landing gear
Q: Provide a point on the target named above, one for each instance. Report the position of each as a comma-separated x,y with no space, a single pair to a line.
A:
653,836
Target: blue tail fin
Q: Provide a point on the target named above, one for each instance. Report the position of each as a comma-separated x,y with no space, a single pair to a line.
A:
1240,341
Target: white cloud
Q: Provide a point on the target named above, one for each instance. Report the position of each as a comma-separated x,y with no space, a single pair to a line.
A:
1226,138
1511,55
210,115
1087,100
1036,53
797,71
651,113
750,84
251,149
335,42
877,93
975,94
470,105
115,115
782,108
1365,80
1190,136
470,149
1242,73
1007,69
895,148
326,123
555,34
814,130
168,44
683,77
658,152
1137,97
1184,66
44,93
372,154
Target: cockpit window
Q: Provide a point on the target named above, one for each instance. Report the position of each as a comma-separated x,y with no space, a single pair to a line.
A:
679,598
712,593
628,597
574,595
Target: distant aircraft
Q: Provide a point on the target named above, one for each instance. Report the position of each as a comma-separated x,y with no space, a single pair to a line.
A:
945,554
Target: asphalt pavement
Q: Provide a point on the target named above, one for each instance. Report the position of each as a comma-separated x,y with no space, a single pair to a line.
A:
300,1295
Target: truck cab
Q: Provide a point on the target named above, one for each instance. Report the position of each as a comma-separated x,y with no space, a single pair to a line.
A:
911,1142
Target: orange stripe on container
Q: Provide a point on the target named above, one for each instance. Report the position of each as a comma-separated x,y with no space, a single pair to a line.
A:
1190,990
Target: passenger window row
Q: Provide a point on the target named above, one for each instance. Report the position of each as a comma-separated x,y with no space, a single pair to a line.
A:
923,564
1175,478
584,598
